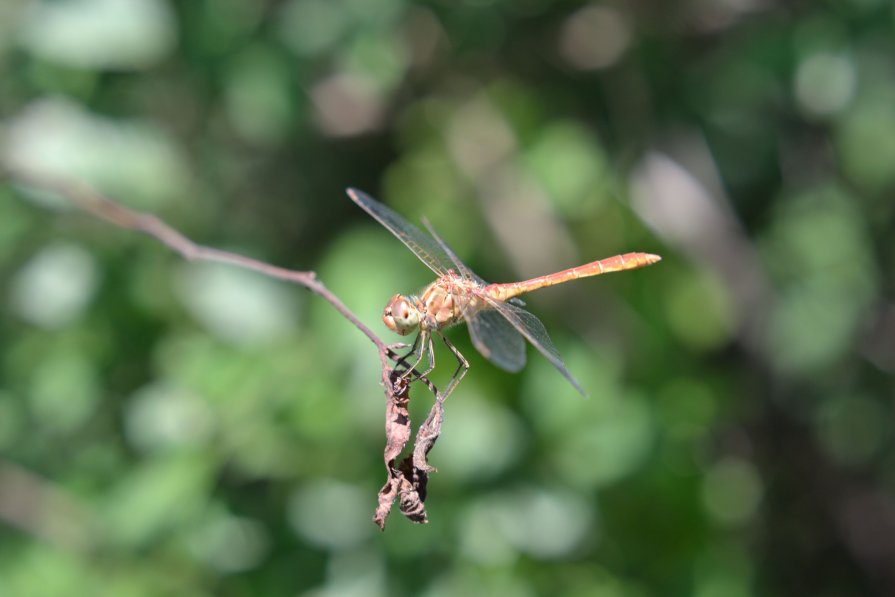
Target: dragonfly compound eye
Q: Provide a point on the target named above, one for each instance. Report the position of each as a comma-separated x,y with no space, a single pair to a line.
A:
400,315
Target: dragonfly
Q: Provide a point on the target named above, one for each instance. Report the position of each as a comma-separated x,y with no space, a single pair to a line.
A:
497,322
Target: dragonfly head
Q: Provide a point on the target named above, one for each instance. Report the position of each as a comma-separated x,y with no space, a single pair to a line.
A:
401,315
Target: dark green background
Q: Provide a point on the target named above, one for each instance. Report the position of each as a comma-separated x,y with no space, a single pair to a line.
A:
173,428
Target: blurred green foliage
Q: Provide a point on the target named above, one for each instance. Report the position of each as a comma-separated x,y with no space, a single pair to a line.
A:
181,428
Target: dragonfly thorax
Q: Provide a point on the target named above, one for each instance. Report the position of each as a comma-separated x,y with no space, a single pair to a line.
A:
401,315
437,307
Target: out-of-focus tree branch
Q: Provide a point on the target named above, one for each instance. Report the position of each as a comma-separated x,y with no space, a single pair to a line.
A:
35,506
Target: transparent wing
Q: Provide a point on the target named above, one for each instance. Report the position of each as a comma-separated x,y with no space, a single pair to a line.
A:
461,267
531,327
422,245
491,333
497,340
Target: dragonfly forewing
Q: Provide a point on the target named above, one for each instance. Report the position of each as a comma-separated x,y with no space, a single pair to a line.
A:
423,246
464,271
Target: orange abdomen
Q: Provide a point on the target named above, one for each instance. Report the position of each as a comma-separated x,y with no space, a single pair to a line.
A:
618,263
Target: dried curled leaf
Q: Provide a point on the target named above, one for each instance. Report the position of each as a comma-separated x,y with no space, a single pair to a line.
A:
413,491
426,437
407,482
397,432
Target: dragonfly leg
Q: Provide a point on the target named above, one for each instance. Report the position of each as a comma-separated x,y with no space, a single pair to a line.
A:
398,376
395,347
462,368
431,352
426,347
402,360
403,370
421,345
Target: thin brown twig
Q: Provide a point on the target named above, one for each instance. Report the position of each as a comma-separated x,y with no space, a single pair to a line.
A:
123,217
